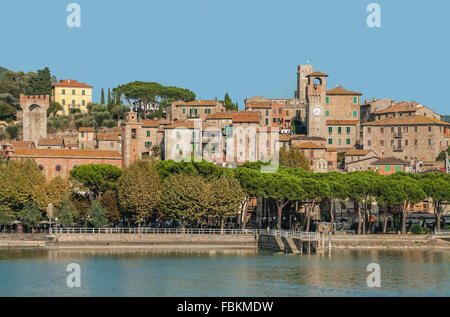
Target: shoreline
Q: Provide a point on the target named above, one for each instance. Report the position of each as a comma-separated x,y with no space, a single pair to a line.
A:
209,242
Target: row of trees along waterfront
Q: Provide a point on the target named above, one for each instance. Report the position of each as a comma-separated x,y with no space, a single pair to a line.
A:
201,193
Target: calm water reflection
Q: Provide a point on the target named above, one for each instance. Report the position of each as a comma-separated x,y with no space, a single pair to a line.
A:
139,272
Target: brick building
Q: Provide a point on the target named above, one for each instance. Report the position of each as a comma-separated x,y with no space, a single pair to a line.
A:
359,160
197,109
410,138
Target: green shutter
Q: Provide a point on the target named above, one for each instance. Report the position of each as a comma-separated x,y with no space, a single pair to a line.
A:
398,168
330,141
348,141
355,113
387,168
328,113
330,129
348,129
355,99
328,99
339,130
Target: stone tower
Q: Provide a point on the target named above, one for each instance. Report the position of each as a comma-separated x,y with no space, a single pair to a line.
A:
34,117
316,102
131,136
302,81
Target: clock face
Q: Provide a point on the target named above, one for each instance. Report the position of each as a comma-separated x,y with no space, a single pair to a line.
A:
317,111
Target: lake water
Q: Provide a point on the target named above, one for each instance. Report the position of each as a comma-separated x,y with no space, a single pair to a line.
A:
201,273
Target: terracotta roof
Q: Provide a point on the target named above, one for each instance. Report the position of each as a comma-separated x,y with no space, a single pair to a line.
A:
342,91
71,83
181,125
342,122
150,123
71,144
108,137
331,149
51,142
194,103
309,145
86,129
407,120
357,152
318,74
399,107
246,116
67,153
389,161
220,115
22,144
285,137
304,137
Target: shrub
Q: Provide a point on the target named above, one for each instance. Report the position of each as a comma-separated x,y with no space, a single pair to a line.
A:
425,230
416,229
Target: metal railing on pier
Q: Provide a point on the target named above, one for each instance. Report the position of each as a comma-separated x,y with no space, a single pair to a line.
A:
201,231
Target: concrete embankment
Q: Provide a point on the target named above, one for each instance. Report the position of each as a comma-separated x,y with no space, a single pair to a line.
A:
287,244
379,241
14,240
154,240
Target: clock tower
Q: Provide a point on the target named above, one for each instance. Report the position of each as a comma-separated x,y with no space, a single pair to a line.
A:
316,93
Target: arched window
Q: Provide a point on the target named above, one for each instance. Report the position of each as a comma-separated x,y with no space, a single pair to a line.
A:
58,168
41,167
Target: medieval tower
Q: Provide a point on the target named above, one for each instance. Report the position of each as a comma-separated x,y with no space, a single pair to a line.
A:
302,81
34,117
131,138
316,101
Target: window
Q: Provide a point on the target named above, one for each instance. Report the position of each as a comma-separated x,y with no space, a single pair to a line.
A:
73,101
355,99
184,111
148,133
274,111
382,142
207,111
339,130
63,91
348,130
58,168
347,141
178,134
355,114
369,130
274,120
330,129
330,141
82,134
133,133
429,142
83,92
267,121
406,142
280,111
429,129
41,167
63,102
405,129
327,99
83,102
392,142
415,129
369,143
178,146
73,91
387,168
327,113
267,112
398,168
415,142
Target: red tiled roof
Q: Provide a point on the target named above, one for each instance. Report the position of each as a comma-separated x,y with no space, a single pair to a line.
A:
318,74
200,103
246,116
220,115
71,83
67,153
51,141
342,122
389,161
86,129
22,144
399,107
309,145
181,125
342,91
357,152
285,137
407,120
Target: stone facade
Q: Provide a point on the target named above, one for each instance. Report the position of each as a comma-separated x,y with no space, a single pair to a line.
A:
410,138
359,160
34,117
197,109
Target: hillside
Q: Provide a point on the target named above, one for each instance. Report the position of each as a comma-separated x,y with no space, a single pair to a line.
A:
445,118
2,70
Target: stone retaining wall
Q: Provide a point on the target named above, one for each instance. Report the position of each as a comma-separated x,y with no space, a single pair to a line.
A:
388,241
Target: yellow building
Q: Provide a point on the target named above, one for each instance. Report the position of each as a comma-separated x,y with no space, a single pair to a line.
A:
71,94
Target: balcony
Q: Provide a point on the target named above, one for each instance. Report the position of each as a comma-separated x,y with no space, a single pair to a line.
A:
398,135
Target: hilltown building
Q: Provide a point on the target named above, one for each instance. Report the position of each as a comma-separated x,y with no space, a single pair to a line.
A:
71,94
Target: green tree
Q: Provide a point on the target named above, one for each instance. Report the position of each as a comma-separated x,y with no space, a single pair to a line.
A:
97,215
6,111
109,96
110,203
102,101
41,84
54,108
226,197
139,190
98,178
13,130
293,158
437,187
441,156
6,217
67,213
228,103
315,192
30,215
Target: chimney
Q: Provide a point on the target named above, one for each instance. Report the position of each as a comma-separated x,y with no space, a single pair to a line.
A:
374,99
367,101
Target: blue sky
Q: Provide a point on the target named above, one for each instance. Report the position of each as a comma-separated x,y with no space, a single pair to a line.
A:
245,47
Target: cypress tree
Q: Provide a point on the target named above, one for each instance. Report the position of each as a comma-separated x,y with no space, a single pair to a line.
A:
109,96
102,101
